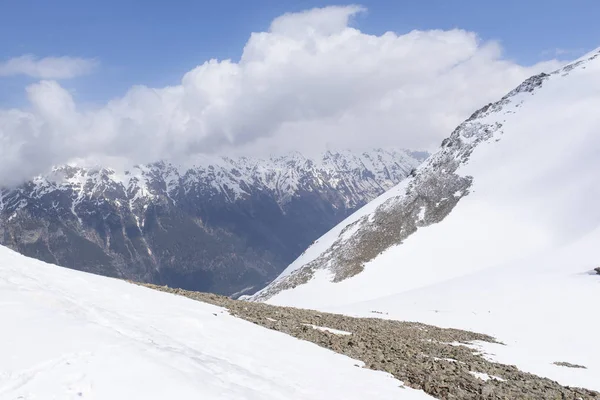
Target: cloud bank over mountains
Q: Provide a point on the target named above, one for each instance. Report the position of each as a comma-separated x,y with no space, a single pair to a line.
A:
310,82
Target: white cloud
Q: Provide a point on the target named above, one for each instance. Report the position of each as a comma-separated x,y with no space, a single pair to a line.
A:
311,81
48,67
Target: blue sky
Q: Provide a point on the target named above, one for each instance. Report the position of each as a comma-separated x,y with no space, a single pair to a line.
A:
126,82
154,42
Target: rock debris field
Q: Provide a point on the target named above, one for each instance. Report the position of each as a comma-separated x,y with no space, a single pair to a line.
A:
435,360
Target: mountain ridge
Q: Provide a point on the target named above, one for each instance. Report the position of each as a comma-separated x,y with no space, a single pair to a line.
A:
195,221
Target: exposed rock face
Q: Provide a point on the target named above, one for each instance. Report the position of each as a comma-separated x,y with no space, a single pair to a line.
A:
223,225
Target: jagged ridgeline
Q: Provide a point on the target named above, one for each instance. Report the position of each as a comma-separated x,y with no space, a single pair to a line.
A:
223,225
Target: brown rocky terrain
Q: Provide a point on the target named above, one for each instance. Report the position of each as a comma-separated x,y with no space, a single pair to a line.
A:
439,361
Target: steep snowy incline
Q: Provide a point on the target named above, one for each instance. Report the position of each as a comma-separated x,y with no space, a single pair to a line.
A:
497,232
517,178
70,335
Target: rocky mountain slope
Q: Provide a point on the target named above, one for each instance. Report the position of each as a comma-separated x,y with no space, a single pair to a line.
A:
223,225
496,232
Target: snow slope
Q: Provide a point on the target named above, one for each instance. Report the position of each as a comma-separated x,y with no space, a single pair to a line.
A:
513,258
66,334
543,307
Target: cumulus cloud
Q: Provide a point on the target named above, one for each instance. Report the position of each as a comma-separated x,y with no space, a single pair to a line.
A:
311,81
48,67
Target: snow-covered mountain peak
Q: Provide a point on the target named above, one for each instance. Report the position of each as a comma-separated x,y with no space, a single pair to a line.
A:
283,175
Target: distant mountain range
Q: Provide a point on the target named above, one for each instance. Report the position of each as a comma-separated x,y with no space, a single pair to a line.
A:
225,225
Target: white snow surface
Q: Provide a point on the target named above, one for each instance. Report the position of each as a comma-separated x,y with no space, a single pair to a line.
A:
330,330
71,335
485,377
515,257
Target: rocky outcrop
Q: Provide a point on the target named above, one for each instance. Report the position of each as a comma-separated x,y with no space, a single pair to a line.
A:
569,365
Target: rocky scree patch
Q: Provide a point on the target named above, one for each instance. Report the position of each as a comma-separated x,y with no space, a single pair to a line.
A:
441,362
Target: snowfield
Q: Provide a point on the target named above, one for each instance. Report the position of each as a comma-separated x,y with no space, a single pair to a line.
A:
71,335
543,308
515,257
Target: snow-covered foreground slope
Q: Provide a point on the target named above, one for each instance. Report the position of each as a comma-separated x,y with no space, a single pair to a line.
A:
512,254
543,307
70,335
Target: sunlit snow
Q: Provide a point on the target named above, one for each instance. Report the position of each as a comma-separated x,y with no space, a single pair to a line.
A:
71,335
